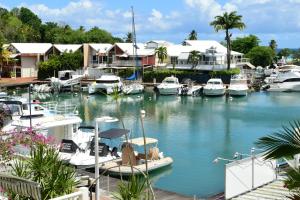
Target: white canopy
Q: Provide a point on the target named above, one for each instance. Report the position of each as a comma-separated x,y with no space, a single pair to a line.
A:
140,141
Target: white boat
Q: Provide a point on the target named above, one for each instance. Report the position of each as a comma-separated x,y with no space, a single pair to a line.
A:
169,86
190,90
287,80
134,88
214,87
106,84
133,162
43,88
238,86
66,79
86,159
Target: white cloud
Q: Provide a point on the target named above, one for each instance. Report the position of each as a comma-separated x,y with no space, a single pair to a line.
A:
159,22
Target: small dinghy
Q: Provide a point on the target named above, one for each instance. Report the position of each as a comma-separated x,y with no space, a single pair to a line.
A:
133,162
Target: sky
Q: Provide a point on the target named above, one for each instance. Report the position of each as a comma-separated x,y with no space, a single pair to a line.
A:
173,20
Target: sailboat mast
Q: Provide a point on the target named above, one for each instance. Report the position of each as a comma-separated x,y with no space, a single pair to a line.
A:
134,41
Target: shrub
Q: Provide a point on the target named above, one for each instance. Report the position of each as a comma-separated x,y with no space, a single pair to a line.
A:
161,74
224,72
125,73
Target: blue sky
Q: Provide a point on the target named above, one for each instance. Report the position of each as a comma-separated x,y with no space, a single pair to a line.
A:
172,20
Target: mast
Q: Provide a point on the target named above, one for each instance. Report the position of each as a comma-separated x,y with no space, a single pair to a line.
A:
133,35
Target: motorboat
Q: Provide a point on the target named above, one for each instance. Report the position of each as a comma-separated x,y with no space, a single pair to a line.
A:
287,80
43,88
238,86
214,87
66,79
132,162
169,86
106,84
133,88
190,90
86,159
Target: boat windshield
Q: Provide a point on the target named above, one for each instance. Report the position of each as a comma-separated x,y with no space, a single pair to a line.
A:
238,81
214,82
107,81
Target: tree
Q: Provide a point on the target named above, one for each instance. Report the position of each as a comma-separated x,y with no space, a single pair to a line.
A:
261,56
284,52
227,22
194,58
128,37
245,44
193,35
161,53
284,144
273,45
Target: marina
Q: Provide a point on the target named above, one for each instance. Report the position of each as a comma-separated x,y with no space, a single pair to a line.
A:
192,130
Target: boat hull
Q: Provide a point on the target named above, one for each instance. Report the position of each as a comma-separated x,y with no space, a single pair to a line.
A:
168,91
237,91
285,87
114,167
214,92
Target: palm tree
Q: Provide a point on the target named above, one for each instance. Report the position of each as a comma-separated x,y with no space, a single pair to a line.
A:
194,58
128,37
4,57
193,35
227,22
273,45
161,53
284,144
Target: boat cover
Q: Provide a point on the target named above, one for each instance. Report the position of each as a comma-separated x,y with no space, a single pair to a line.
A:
140,141
113,133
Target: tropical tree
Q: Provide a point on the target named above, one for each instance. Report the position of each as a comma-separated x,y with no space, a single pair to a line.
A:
261,56
194,58
244,44
273,45
284,144
193,35
226,22
128,37
161,53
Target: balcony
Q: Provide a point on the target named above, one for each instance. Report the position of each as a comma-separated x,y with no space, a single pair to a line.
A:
126,63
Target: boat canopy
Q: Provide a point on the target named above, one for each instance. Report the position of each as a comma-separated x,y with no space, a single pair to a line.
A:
113,133
140,141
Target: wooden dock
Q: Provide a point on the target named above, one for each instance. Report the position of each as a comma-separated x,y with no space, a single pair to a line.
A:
110,184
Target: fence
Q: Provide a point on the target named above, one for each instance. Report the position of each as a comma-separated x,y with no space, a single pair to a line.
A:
82,194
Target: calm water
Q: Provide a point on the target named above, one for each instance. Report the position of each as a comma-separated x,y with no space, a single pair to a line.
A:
195,130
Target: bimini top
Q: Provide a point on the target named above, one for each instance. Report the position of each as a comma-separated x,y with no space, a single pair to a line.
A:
113,133
140,141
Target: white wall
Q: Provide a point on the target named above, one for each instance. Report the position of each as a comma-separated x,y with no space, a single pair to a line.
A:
238,175
28,66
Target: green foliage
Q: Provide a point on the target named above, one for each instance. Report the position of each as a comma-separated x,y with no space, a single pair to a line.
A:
44,167
245,44
261,56
284,52
273,45
161,53
224,72
65,61
134,189
128,37
194,58
125,73
193,35
22,25
161,74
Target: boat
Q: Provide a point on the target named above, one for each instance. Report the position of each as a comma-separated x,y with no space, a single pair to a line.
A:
133,162
66,79
190,90
214,87
287,80
43,88
238,86
169,86
106,84
86,159
133,88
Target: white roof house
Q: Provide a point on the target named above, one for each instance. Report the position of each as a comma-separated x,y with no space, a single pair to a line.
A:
128,50
67,47
153,44
32,48
101,48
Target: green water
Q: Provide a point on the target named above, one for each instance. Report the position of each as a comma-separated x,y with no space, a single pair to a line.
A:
195,130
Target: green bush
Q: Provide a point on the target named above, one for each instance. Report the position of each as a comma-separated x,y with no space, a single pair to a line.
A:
125,73
161,74
225,72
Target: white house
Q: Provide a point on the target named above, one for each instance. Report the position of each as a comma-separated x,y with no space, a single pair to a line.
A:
213,55
29,55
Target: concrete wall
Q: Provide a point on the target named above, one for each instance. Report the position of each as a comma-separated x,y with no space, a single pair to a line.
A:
246,174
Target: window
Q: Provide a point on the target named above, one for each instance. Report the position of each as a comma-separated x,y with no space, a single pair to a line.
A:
174,60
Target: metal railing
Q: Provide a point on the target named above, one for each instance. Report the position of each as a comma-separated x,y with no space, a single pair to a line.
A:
82,194
126,63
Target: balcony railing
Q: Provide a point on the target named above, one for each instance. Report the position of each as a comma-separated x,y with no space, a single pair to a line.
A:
126,63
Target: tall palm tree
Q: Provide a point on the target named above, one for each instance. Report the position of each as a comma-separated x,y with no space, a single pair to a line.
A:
284,144
128,37
193,35
194,58
226,22
4,57
161,53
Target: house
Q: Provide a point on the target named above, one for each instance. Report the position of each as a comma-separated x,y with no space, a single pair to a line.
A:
212,56
27,56
96,55
124,55
153,44
68,48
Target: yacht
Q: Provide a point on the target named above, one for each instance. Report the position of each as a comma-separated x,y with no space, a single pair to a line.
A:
133,162
287,80
214,87
134,88
169,86
106,84
238,86
66,79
